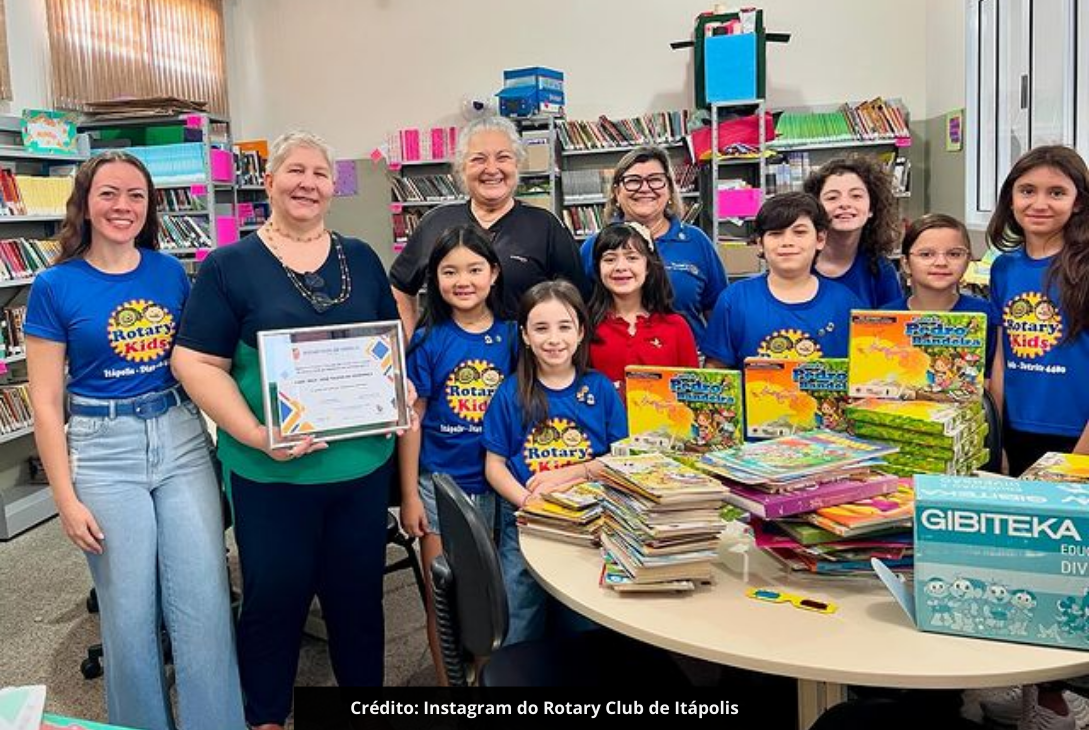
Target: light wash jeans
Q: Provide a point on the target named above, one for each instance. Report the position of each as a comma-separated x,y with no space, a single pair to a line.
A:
485,503
532,612
151,487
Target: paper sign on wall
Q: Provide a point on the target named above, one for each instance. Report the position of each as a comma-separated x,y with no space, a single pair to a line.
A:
347,181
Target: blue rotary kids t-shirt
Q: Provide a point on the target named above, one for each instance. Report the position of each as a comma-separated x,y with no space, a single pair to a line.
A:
966,303
694,267
873,290
118,329
458,372
749,321
1045,375
584,419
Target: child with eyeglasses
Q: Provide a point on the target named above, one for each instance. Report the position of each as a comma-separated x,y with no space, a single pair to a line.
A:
789,312
936,252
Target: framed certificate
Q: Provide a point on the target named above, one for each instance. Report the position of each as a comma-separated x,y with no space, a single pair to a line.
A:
333,383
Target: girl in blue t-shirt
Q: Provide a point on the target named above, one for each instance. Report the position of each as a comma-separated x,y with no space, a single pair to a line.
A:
864,227
456,359
1041,221
936,251
543,431
789,312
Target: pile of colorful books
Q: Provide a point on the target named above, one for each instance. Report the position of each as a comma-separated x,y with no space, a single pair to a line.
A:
661,523
573,515
931,437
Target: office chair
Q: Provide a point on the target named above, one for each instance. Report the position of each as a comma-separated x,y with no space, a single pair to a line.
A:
993,440
471,610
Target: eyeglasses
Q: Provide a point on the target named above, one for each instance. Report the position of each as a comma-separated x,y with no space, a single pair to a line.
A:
773,596
955,255
632,183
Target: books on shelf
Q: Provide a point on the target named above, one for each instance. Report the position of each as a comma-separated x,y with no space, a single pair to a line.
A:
31,195
584,220
15,411
180,200
22,258
605,133
425,188
12,339
184,232
875,120
249,162
421,145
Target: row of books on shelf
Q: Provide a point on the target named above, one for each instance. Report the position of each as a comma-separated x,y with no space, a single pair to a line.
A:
253,214
876,119
249,166
793,168
180,200
404,223
421,145
22,258
183,232
595,183
33,195
584,220
604,133
15,412
425,188
12,339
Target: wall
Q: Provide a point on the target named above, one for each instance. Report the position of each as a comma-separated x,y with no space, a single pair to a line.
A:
28,54
945,92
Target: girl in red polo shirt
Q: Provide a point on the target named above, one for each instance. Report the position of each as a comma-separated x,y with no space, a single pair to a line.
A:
631,309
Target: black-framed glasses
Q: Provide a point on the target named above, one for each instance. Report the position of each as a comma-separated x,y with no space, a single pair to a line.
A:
632,183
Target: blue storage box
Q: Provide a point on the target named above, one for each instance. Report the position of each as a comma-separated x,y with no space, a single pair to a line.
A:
529,91
730,68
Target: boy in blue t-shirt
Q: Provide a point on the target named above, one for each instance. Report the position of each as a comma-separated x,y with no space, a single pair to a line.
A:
789,312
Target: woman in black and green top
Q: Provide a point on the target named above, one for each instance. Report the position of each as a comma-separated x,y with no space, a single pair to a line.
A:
310,519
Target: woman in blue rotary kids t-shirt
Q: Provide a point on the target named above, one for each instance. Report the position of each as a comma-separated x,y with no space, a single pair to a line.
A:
543,431
456,359
132,477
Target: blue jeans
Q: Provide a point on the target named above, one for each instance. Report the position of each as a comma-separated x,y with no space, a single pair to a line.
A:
484,503
532,612
151,488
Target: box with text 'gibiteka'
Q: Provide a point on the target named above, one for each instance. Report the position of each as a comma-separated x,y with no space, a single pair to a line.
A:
1003,559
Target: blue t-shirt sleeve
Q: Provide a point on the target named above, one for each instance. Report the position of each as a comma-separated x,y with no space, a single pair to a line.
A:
209,323
43,318
888,287
716,341
713,269
586,252
499,422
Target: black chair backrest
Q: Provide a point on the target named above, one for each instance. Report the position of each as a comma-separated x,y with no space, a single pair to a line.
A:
994,434
472,558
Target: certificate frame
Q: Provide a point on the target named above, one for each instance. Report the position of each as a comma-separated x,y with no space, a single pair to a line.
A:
333,382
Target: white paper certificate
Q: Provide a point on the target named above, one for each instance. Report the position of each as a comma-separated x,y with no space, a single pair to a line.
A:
333,382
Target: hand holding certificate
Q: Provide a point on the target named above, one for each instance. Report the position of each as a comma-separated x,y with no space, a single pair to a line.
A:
333,383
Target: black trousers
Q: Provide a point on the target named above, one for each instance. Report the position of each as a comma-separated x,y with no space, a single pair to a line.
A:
1023,448
295,542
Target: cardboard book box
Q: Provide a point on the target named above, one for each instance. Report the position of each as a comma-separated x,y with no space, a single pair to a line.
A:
999,558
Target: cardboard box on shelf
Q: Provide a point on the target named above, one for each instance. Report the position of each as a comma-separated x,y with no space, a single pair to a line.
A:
739,258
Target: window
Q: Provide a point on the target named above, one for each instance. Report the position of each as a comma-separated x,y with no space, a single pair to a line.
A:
107,49
1023,89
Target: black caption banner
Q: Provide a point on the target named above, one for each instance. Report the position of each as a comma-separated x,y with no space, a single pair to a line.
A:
425,708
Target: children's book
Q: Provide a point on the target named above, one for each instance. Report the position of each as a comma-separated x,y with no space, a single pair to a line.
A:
581,496
946,419
865,516
935,356
615,577
791,457
773,506
660,479
1056,467
783,397
697,410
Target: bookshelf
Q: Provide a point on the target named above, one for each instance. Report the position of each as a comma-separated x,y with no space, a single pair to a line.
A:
250,161
190,159
590,149
33,190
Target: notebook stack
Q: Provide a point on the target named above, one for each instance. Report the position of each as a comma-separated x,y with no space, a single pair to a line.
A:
573,515
931,437
661,524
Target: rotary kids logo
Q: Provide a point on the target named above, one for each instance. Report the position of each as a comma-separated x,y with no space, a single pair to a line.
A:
1033,324
470,388
555,443
789,344
141,331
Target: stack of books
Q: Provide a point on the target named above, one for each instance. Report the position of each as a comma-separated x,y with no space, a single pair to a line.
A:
1056,467
931,437
661,523
573,515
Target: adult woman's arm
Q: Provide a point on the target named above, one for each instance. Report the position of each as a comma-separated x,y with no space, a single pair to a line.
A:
45,367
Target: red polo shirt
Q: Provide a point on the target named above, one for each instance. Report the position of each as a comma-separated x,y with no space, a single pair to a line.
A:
659,339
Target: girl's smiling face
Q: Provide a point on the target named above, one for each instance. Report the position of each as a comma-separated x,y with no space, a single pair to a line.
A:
623,270
553,334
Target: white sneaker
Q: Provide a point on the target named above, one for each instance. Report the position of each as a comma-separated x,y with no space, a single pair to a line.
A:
1003,705
1079,709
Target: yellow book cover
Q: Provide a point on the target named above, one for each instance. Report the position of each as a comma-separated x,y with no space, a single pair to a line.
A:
935,356
783,397
698,410
1056,467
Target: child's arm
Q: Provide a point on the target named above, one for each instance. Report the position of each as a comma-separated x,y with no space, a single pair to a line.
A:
413,517
1082,447
503,482
998,375
555,480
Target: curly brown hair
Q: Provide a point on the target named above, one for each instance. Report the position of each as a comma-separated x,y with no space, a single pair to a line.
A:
881,234
1070,268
